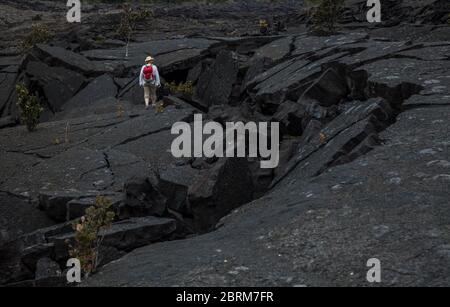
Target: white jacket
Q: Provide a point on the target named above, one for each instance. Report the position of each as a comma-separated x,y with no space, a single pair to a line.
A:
156,80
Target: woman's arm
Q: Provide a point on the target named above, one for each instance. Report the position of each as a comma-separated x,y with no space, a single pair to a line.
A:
141,77
157,79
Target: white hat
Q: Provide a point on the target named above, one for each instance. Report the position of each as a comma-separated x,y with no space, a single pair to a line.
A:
149,59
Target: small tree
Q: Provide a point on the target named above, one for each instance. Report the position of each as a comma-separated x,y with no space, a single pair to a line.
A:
128,23
30,108
87,234
325,15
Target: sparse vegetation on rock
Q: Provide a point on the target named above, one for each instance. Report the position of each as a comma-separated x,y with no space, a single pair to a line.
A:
120,110
159,107
181,88
263,26
325,15
30,108
39,34
87,234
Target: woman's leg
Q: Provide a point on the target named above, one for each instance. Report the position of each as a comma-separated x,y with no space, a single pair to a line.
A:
153,96
146,95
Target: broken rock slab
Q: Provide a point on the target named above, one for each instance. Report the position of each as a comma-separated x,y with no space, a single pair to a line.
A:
195,72
12,164
132,92
8,61
7,83
55,137
215,85
287,80
276,50
170,55
58,84
102,106
331,87
256,67
138,128
7,121
154,148
436,51
64,206
336,149
291,116
430,100
131,234
80,169
217,191
46,268
305,45
174,183
142,197
100,88
18,216
358,122
39,255
397,79
17,261
19,257
125,236
57,56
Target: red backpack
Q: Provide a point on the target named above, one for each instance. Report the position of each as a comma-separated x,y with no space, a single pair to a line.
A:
148,72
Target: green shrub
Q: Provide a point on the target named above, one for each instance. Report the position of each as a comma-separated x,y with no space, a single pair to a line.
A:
263,26
181,88
30,109
159,107
325,15
39,34
120,110
87,234
100,39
